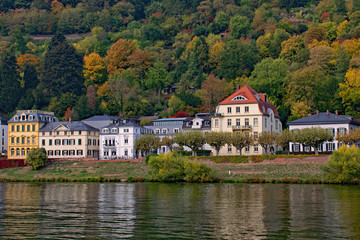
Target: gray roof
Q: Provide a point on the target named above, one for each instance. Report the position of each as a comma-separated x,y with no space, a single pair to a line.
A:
127,124
37,116
170,119
102,118
324,118
72,126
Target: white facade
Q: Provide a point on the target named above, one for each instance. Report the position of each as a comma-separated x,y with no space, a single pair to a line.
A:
3,136
117,141
336,124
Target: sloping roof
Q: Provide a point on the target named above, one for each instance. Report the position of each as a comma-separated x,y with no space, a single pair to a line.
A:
252,97
72,126
37,116
119,125
324,118
170,119
102,118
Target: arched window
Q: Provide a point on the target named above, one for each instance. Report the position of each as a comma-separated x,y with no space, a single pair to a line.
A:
239,98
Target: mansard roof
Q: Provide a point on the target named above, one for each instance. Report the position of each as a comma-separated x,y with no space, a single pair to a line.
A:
324,118
71,126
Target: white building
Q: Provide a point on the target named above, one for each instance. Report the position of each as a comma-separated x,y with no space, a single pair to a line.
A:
336,124
117,140
3,135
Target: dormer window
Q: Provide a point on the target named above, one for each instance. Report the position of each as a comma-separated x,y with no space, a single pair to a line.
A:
114,130
30,117
16,118
239,98
23,117
105,130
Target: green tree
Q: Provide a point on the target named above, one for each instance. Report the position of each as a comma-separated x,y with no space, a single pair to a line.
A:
283,139
240,140
147,142
239,26
36,158
192,139
157,78
216,140
266,139
168,141
62,68
313,137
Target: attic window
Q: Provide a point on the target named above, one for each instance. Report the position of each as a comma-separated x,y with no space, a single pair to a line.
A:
239,98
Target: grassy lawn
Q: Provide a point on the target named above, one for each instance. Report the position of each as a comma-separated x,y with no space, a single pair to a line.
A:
79,170
124,170
268,170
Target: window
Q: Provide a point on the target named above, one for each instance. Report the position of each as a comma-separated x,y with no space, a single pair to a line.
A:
65,152
306,148
94,142
64,142
79,132
114,130
43,142
12,152
164,131
79,141
239,98
89,152
113,153
17,140
43,134
246,122
176,130
256,148
22,140
296,147
157,131
330,147
256,135
341,131
22,152
276,124
72,141
216,123
12,140
246,109
255,122
72,152
18,128
57,142
229,148
247,148
28,128
12,128
237,109
238,122
50,142
266,122
126,141
89,141
17,152
229,109
28,140
229,122
33,127
57,133
79,152
33,140
50,153
105,130
57,152
126,130
126,152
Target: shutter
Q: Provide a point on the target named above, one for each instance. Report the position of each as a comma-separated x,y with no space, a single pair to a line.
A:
292,147
333,146
327,147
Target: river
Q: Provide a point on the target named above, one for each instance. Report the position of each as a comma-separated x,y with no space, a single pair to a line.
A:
178,211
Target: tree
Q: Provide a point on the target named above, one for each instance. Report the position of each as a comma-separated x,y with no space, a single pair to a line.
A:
94,70
240,140
192,139
350,137
146,143
266,139
283,139
117,56
313,137
239,26
314,33
26,60
291,47
216,140
62,68
36,158
213,91
349,91
157,78
168,141
10,90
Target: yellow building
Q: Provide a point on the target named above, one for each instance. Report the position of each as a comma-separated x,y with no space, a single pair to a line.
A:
246,111
23,131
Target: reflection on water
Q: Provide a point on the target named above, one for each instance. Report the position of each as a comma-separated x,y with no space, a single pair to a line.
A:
181,211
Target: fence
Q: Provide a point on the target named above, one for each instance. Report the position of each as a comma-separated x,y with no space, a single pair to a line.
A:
11,163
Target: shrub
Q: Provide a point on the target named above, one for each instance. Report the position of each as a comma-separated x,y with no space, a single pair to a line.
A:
344,165
175,168
36,158
148,157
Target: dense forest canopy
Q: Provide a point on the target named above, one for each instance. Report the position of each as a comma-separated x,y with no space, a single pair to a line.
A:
145,57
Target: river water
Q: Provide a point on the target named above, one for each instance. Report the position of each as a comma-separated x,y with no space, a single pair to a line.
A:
178,211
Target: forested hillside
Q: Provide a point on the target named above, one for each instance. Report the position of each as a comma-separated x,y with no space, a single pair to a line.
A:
145,57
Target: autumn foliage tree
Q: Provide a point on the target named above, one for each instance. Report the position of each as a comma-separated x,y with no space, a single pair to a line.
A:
94,70
117,57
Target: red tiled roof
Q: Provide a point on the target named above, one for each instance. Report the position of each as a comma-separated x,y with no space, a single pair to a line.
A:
250,94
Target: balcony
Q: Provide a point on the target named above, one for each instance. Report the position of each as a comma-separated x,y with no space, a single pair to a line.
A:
242,128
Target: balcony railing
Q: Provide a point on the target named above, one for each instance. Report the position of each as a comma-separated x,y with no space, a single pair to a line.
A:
242,127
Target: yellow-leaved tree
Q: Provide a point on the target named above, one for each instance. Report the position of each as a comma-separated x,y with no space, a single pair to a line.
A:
94,70
350,91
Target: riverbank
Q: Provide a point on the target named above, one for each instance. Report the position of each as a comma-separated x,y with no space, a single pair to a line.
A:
267,171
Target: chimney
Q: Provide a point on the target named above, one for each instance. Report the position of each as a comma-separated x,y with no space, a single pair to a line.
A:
336,112
238,87
317,112
69,119
309,114
327,112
